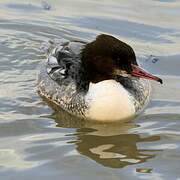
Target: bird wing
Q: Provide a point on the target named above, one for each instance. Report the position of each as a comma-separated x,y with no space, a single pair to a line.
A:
64,60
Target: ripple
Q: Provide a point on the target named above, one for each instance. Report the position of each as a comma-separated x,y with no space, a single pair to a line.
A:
39,140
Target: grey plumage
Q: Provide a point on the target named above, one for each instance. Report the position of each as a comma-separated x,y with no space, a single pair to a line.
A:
63,81
57,80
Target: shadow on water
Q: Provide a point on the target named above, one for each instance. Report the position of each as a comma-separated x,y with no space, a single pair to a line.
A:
109,144
32,148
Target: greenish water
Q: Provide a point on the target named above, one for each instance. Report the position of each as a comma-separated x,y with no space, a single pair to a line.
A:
37,142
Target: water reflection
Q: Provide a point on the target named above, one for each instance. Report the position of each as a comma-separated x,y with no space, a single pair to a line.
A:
115,151
112,145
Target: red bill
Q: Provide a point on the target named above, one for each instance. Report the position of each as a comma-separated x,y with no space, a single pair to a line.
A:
138,72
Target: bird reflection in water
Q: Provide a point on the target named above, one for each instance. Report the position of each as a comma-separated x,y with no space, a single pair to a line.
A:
111,145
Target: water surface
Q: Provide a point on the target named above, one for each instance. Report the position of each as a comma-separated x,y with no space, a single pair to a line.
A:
37,142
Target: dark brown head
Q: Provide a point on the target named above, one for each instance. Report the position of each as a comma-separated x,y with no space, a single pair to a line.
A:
107,57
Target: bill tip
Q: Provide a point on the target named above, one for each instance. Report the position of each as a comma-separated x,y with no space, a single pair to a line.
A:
160,81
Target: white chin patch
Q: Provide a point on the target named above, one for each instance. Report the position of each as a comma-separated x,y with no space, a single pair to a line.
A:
109,101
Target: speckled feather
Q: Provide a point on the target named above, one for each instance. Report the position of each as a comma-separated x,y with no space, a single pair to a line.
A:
62,80
61,88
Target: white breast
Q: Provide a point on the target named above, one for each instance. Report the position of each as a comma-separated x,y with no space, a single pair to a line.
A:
109,101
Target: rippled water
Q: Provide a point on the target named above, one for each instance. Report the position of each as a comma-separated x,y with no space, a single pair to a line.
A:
37,142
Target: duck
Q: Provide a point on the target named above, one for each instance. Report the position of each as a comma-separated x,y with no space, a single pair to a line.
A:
99,80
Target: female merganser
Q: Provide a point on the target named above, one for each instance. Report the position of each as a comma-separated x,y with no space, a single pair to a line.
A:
100,80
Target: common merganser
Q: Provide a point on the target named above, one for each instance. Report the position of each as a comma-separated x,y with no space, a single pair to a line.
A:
100,80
